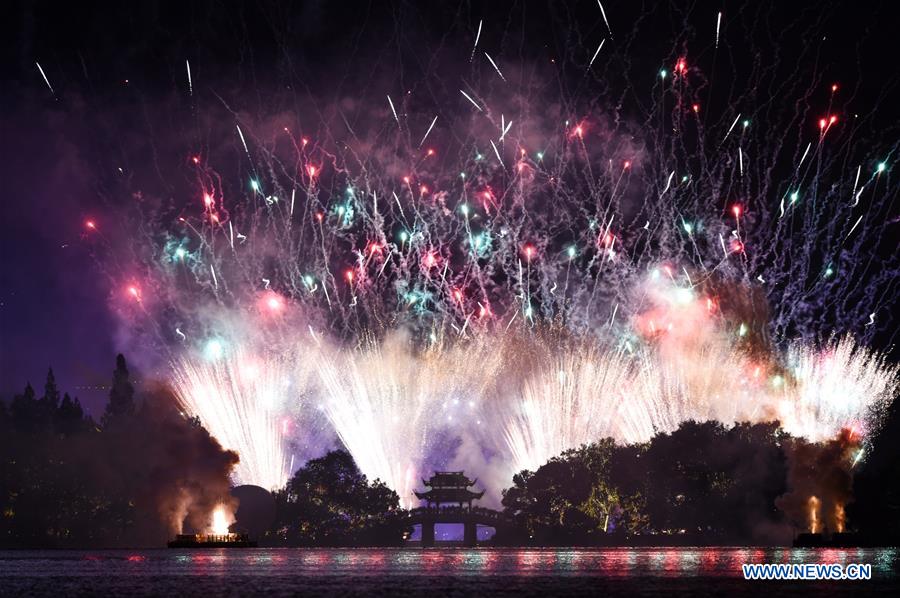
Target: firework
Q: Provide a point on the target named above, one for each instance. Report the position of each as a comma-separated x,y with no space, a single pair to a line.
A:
572,399
683,259
388,403
244,397
840,385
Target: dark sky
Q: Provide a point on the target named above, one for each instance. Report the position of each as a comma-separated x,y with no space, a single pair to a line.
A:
58,152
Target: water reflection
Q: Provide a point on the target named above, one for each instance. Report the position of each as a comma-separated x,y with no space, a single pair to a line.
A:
612,563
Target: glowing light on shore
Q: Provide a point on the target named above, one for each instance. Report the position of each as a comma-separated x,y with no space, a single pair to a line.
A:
221,520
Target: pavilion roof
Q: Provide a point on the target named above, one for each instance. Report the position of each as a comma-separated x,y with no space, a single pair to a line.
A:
449,479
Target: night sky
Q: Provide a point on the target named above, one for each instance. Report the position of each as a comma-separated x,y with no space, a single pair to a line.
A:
117,70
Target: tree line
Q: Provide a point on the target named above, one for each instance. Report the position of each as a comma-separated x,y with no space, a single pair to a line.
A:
702,482
145,470
130,479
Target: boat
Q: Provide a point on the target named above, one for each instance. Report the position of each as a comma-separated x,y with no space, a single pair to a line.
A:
230,540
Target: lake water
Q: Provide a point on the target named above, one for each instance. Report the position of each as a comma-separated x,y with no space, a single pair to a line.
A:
433,572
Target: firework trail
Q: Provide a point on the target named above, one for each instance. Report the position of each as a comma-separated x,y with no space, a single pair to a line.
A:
44,77
569,401
245,397
387,404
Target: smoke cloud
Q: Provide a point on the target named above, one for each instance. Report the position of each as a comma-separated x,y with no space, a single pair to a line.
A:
173,471
820,482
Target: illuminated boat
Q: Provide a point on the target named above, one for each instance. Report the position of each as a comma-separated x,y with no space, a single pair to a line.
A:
230,540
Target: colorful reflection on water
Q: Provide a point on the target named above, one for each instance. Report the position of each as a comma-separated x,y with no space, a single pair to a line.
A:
607,562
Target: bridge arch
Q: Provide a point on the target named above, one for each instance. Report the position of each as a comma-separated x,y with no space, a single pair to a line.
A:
469,517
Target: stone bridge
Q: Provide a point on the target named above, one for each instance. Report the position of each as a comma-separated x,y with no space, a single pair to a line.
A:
470,517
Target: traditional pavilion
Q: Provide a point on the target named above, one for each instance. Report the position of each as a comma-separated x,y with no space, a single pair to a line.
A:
449,487
452,488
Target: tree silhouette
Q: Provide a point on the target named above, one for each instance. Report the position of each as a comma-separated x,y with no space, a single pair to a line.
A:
69,416
51,392
329,502
64,482
26,411
701,481
121,395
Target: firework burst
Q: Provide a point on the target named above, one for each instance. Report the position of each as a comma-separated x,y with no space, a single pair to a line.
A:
687,256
